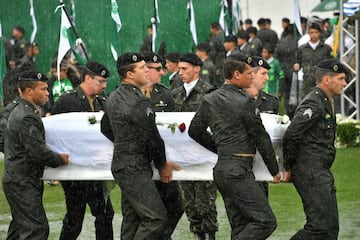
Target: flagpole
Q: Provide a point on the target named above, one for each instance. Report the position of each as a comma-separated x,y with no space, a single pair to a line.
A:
230,8
62,5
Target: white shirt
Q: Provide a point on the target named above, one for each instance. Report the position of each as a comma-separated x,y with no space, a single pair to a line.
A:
189,86
314,45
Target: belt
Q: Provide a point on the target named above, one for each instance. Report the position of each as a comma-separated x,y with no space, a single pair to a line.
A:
244,155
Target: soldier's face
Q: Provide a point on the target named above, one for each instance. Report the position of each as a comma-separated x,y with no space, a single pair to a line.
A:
140,74
336,84
260,78
188,72
97,84
171,66
39,95
245,78
314,35
155,72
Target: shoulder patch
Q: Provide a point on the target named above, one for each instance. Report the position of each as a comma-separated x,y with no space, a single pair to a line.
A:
308,112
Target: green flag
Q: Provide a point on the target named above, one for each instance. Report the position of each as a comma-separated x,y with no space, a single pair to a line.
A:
114,46
2,63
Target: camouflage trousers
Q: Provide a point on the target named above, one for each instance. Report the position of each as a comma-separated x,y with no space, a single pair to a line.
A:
199,199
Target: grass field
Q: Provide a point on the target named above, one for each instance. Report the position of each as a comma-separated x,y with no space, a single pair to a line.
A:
283,198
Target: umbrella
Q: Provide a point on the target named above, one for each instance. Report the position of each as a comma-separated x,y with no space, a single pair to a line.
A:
327,5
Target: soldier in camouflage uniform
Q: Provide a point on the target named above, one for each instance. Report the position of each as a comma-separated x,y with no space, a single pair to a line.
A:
162,101
26,156
309,152
236,133
217,53
129,121
15,47
208,69
199,196
87,97
172,60
309,55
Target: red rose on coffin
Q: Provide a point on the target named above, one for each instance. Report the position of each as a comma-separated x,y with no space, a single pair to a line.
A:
182,127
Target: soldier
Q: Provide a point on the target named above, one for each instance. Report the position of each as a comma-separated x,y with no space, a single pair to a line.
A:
129,121
87,97
15,47
172,60
309,55
217,53
199,196
162,101
309,152
237,132
208,69
26,156
265,102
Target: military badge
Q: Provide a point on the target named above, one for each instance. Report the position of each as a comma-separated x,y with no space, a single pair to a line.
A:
39,75
134,58
308,112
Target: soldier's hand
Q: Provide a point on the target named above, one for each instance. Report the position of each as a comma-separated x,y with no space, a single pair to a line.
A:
64,158
277,178
287,176
166,172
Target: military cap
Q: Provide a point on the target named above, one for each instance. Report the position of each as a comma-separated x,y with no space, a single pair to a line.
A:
332,65
252,30
98,69
243,35
129,58
241,58
316,26
173,57
230,38
259,62
32,75
191,58
204,47
151,57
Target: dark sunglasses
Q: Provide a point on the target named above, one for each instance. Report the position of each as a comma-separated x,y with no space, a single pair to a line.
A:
156,68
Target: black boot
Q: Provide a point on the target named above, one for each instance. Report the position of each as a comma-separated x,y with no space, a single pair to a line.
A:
209,236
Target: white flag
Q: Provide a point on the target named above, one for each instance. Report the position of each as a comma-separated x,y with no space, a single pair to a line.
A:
33,18
64,44
192,21
155,21
116,17
223,13
296,13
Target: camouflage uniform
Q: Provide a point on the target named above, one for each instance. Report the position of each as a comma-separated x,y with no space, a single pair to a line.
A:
217,52
175,81
4,116
308,58
169,192
237,132
208,72
26,156
80,193
199,196
129,121
267,103
309,152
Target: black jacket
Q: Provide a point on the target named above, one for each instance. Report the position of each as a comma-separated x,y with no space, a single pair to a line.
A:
235,124
309,139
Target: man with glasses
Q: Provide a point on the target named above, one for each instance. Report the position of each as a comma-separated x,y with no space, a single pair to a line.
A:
87,97
162,101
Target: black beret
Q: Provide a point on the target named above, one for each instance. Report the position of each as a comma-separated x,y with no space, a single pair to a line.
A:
32,75
243,35
252,30
129,58
98,69
241,58
173,57
191,58
332,65
151,57
259,62
316,26
204,46
230,38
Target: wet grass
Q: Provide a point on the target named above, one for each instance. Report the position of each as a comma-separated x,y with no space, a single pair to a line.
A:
283,198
